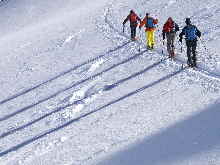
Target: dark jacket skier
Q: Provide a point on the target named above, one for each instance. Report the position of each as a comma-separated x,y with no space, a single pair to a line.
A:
191,33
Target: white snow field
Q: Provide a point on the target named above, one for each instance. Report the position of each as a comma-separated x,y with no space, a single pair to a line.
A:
76,91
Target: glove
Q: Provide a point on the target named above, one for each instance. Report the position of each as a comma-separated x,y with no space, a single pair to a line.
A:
180,40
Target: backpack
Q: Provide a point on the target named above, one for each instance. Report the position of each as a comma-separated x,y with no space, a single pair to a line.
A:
190,32
171,27
133,17
150,23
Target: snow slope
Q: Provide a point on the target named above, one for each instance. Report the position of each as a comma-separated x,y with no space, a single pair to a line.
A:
76,90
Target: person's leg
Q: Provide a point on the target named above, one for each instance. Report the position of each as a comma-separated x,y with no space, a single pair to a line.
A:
151,39
147,39
194,45
172,39
189,51
150,42
132,33
168,43
135,31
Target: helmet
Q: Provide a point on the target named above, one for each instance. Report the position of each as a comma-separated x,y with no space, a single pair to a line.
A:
147,14
188,21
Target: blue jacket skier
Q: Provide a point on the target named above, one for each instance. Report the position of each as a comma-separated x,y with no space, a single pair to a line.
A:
191,33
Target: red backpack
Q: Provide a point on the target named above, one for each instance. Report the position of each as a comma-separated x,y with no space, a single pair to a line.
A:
133,17
169,26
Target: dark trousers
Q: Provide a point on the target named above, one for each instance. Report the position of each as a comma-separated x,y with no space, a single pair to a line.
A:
133,31
191,52
170,43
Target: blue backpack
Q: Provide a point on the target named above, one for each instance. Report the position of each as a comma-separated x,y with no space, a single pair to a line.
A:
150,23
190,32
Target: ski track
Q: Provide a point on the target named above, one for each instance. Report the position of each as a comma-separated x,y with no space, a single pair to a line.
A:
84,96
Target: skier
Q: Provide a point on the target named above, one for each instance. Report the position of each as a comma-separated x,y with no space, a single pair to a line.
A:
150,27
169,31
191,33
133,18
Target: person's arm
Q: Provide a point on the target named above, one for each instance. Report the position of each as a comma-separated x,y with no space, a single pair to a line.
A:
138,18
176,27
164,31
143,22
181,34
198,33
155,21
127,18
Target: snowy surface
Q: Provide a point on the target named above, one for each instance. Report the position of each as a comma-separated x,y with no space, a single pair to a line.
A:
76,91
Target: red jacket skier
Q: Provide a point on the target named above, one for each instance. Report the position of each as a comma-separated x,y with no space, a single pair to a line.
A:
133,18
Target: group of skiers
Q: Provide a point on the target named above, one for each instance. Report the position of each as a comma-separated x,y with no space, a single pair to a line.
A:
170,28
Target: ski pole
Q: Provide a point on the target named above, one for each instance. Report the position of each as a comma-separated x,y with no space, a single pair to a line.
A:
163,42
181,48
123,30
163,46
140,40
159,32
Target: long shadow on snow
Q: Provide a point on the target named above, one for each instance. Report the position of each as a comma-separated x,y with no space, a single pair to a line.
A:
197,134
29,141
106,88
61,74
69,87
